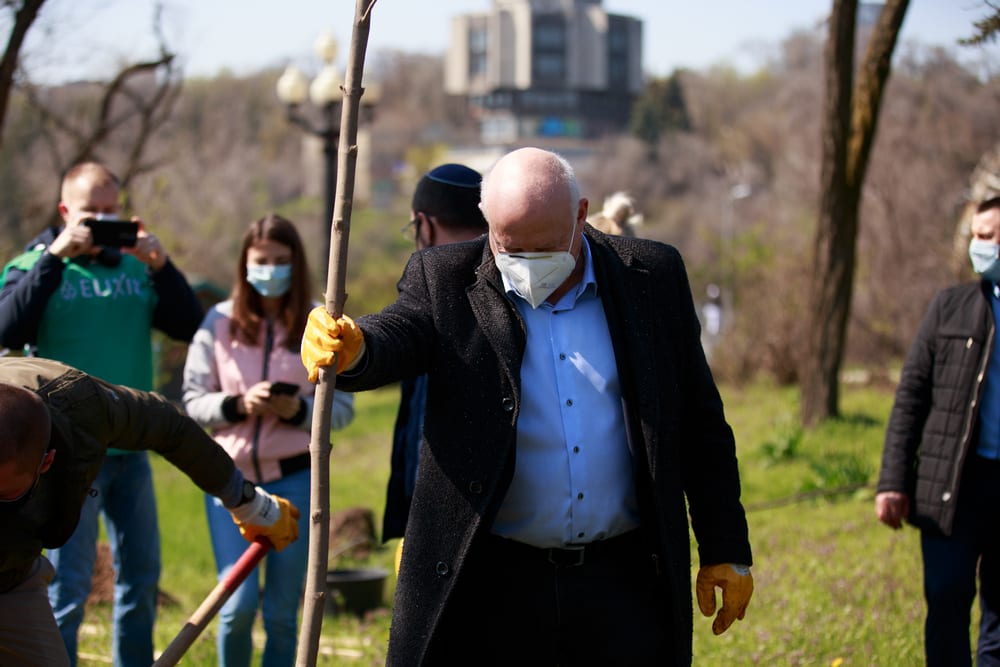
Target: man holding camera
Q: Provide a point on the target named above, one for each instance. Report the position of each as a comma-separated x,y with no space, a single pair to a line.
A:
94,307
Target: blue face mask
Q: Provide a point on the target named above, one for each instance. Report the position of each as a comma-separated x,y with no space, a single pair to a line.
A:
271,280
985,256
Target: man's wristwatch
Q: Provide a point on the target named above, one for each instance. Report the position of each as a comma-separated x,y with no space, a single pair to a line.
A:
248,494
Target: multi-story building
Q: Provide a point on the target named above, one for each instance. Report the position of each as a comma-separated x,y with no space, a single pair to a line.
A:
546,68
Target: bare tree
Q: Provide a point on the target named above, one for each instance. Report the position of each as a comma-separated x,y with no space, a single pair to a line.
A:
850,121
987,28
25,14
132,107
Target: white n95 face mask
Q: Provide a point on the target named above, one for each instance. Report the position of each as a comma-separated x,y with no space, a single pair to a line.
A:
535,275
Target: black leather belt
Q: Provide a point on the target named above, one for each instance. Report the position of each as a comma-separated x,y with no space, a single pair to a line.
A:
615,550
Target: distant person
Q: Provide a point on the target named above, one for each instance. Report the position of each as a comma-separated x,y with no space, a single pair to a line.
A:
94,307
244,381
941,462
712,310
56,424
444,209
571,423
618,217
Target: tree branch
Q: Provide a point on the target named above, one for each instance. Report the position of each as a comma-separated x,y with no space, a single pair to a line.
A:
8,64
874,76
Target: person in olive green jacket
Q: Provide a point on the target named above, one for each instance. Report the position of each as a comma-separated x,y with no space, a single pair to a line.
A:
56,424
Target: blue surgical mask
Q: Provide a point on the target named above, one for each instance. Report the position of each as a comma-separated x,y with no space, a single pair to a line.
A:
271,280
985,256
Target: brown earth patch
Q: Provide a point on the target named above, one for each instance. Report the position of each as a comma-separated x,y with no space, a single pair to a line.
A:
102,583
352,533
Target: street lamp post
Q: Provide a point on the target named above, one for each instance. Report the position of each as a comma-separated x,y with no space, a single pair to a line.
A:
326,94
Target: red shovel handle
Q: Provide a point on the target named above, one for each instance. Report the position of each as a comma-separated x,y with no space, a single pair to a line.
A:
210,607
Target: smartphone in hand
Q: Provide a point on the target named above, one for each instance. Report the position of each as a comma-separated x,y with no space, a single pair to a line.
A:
113,233
284,389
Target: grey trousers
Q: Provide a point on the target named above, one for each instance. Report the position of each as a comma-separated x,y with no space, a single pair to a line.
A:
29,636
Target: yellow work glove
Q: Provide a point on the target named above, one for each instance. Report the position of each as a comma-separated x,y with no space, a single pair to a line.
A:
325,337
267,516
399,556
736,583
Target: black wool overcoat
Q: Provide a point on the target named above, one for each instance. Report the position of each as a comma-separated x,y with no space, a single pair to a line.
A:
453,321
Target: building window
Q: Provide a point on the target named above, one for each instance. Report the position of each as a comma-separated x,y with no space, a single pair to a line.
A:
549,67
548,49
617,72
540,101
477,64
618,39
618,55
477,51
549,34
477,40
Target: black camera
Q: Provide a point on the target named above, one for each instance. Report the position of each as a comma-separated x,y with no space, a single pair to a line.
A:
113,233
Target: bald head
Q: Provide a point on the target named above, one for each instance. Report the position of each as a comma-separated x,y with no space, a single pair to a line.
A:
86,176
531,201
25,427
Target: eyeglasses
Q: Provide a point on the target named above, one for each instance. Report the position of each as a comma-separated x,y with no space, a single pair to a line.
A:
406,231
30,489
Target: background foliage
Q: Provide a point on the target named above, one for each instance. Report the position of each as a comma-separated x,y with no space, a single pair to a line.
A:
731,180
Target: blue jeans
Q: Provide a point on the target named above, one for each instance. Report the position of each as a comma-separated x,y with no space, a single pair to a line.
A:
950,568
125,498
284,578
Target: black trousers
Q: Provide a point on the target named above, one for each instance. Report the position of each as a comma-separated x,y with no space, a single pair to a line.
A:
951,564
522,606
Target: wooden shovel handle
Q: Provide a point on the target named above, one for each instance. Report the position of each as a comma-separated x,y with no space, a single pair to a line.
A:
210,607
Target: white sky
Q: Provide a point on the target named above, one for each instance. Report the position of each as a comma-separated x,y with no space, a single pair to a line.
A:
247,35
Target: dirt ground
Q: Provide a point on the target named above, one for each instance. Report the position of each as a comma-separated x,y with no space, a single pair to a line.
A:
102,584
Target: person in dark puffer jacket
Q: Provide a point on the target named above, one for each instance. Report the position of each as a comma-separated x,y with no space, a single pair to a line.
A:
941,460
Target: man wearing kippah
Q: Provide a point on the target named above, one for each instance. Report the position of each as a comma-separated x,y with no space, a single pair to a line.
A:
444,209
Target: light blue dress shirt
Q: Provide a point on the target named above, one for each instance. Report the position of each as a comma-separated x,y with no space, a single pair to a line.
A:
573,480
989,411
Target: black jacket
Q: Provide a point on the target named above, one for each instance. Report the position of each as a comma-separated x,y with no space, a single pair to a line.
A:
452,321
934,418
406,437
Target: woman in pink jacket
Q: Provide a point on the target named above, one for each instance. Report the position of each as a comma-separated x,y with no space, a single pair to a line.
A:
245,382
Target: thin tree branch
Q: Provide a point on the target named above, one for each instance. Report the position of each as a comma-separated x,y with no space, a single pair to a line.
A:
8,63
874,76
319,514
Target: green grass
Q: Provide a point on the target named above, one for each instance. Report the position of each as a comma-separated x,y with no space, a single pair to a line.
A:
833,586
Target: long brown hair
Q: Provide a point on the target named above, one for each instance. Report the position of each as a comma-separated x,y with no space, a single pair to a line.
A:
248,309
